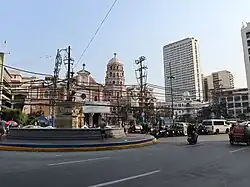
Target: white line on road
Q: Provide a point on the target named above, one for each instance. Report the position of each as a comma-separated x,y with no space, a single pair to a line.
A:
77,161
236,150
125,179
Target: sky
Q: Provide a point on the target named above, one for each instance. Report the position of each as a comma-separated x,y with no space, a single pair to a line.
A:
35,30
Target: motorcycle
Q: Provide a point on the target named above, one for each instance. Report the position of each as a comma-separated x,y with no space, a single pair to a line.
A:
154,132
192,138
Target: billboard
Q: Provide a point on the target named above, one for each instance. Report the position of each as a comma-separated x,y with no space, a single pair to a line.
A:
102,107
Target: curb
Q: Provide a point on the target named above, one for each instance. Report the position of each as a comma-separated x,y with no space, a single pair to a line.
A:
77,148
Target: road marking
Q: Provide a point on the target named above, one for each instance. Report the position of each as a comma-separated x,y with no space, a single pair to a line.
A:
125,179
236,150
77,161
57,155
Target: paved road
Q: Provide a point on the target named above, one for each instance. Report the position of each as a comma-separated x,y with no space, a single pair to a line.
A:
212,162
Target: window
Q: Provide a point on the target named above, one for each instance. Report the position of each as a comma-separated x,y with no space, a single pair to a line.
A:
223,99
245,104
248,43
237,105
46,94
249,51
207,123
110,74
117,74
244,97
113,82
120,83
113,74
95,99
117,67
236,98
110,67
248,35
218,122
230,105
238,111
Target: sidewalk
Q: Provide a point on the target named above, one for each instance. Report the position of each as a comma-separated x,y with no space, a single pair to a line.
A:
131,141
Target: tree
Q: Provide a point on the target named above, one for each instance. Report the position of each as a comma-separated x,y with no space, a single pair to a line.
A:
204,113
15,115
242,116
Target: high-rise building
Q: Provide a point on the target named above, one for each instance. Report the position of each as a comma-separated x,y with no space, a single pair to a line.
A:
182,63
216,81
245,35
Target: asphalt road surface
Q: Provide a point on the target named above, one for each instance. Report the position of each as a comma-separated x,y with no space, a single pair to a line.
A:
210,163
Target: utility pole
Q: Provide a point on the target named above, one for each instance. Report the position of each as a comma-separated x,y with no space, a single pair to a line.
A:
217,91
171,77
69,73
142,82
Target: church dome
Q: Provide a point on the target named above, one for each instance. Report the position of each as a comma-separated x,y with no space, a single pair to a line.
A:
114,60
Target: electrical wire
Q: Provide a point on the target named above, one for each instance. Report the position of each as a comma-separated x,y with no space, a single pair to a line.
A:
26,71
96,32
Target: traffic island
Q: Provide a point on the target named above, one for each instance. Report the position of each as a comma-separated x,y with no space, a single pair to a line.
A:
131,141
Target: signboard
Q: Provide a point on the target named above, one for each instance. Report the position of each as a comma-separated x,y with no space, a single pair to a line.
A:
66,110
102,107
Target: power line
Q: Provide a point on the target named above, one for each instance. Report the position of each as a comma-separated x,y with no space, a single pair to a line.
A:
26,71
96,32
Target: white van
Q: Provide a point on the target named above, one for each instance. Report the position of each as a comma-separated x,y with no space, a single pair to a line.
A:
216,126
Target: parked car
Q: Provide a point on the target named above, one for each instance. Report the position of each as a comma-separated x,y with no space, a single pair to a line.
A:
240,133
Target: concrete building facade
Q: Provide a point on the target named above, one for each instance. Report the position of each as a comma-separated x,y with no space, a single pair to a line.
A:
182,61
245,35
216,81
237,101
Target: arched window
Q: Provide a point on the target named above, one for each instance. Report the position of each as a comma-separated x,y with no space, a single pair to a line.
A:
120,83
111,67
113,82
110,74
117,67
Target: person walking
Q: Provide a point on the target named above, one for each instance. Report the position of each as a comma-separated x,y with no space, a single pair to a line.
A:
102,127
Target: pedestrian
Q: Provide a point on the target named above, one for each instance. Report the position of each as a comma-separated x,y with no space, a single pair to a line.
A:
102,128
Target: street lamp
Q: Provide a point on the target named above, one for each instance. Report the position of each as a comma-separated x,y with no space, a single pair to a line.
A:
170,77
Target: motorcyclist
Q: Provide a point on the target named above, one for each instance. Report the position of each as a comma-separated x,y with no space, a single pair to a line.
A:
191,131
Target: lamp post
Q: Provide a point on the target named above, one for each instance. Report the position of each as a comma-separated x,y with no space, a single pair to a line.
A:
171,93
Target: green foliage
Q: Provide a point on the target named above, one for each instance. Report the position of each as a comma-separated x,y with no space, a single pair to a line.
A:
242,116
14,114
